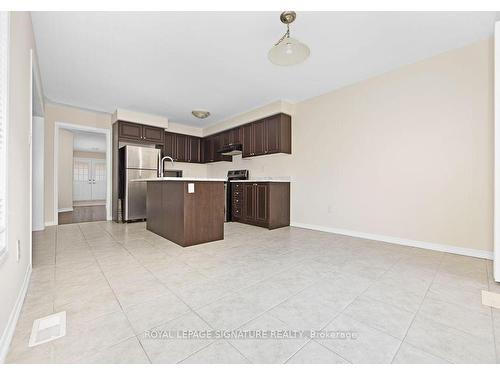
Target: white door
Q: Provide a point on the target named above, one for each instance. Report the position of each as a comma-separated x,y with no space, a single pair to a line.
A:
89,179
82,179
99,179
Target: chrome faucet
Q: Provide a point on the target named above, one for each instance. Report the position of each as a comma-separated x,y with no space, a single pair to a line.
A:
160,167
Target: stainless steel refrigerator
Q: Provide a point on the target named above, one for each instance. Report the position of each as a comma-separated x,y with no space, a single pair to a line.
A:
136,162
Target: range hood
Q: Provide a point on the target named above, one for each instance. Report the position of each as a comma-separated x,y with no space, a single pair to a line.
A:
231,149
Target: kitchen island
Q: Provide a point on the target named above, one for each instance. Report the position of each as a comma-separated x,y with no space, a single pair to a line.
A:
185,210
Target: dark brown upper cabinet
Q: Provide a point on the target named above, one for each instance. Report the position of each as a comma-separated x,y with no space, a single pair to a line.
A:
181,148
273,135
268,136
169,148
247,140
153,134
208,150
141,133
194,154
129,130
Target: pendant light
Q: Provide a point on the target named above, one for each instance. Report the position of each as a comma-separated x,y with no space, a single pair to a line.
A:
288,51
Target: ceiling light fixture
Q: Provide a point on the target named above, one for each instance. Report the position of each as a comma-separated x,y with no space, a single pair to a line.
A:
288,51
200,113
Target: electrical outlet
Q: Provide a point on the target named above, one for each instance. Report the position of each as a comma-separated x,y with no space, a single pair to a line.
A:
18,255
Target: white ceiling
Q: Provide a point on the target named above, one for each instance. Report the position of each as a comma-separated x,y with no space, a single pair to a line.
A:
87,141
168,63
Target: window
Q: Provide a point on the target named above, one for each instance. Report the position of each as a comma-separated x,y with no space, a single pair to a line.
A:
4,77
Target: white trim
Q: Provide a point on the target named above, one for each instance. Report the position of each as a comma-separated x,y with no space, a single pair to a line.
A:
496,210
68,209
5,250
8,333
50,224
107,132
30,160
401,241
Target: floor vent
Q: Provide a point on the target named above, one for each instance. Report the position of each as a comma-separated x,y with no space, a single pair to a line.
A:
48,328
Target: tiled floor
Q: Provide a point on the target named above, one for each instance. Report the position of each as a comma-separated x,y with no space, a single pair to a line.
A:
403,305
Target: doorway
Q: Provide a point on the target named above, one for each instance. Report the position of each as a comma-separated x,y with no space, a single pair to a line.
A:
82,159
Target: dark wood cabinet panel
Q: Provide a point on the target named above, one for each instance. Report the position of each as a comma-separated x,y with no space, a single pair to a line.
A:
194,150
249,202
226,138
237,135
153,134
268,136
129,130
216,141
259,137
273,137
181,148
208,150
265,204
247,140
261,197
169,148
141,133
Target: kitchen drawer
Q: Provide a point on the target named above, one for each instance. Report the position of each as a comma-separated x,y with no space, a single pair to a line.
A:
236,213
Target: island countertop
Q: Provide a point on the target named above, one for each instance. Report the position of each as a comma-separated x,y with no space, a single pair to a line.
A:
200,179
263,179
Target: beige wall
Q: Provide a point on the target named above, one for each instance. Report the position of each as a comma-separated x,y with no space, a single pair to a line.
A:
13,272
69,115
408,154
65,168
89,155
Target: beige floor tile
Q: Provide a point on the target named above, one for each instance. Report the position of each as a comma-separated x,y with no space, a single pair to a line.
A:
155,312
299,278
84,339
129,294
408,354
269,350
161,349
467,298
218,352
449,343
369,345
125,352
315,353
467,320
385,317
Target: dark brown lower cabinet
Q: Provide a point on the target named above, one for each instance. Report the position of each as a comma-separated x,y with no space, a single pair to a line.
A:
265,204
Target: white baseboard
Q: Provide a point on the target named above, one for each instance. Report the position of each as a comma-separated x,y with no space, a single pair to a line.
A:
401,241
66,209
49,223
8,333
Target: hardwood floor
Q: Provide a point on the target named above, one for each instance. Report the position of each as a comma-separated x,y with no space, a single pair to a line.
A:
82,214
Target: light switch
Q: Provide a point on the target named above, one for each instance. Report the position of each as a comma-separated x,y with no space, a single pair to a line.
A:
191,187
